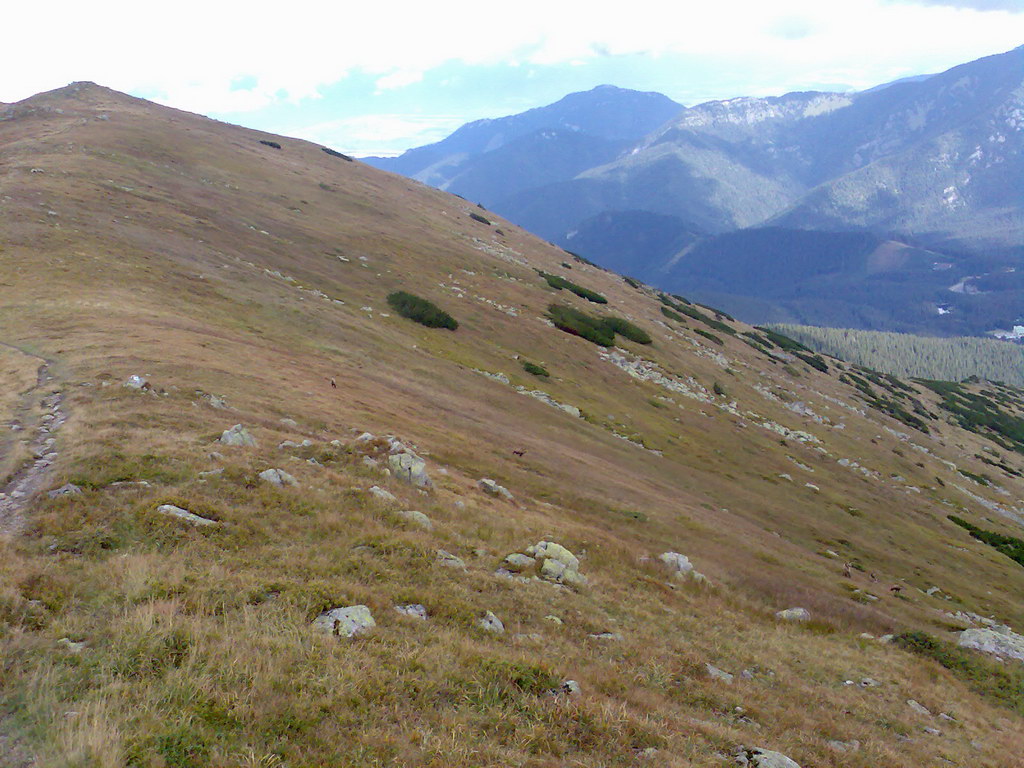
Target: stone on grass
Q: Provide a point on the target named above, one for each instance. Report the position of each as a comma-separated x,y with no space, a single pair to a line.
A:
679,564
345,622
569,688
183,514
517,562
410,468
448,560
365,437
553,619
549,550
68,489
70,645
491,623
491,488
793,614
136,382
758,757
918,708
290,423
416,518
238,436
277,477
606,636
718,674
1006,643
413,610
382,495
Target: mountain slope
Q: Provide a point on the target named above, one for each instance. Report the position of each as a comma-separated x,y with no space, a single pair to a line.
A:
245,278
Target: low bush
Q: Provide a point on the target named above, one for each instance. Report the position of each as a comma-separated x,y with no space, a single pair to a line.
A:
335,153
272,144
627,329
422,311
536,370
558,283
709,336
671,315
482,219
581,324
1010,546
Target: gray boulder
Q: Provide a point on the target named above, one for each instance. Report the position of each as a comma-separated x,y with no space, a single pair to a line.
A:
448,560
416,518
238,436
679,564
491,488
409,467
517,562
345,622
277,477
382,495
68,489
1005,643
183,514
136,382
558,564
491,623
413,610
718,674
758,757
794,614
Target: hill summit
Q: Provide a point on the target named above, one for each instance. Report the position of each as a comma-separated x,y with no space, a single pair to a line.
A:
308,464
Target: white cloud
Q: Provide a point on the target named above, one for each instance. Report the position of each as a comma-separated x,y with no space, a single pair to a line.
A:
191,52
381,134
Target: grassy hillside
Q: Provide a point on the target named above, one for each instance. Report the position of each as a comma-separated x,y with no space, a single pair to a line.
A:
917,356
247,285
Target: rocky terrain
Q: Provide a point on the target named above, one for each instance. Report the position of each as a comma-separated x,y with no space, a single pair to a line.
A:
564,519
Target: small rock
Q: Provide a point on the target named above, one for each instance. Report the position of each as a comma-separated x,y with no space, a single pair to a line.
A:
448,560
551,550
382,494
292,423
570,688
70,645
554,620
238,436
865,636
413,610
68,489
606,636
277,477
345,622
184,514
793,614
416,518
886,639
136,382
717,674
932,590
216,402
491,488
843,746
932,731
679,564
517,562
491,623
947,718
365,437
370,462
410,468
284,445
869,682
758,757
918,708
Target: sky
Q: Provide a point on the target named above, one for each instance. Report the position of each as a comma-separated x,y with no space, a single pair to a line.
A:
378,78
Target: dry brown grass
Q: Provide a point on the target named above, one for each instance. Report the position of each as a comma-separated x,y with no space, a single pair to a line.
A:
198,644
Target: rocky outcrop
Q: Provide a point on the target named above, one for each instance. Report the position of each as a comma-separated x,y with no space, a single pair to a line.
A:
345,622
277,477
409,467
491,488
238,436
183,514
999,641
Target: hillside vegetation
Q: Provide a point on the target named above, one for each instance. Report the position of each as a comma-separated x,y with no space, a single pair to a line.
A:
259,518
921,357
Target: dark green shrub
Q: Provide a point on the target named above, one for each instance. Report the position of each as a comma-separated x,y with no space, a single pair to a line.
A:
335,153
629,330
581,324
719,390
1010,546
477,217
536,370
782,341
710,336
558,283
271,144
815,361
422,311
672,315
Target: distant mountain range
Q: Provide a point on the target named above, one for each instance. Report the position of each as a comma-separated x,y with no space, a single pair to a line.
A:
917,184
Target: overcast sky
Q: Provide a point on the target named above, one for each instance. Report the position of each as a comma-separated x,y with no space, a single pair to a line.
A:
379,77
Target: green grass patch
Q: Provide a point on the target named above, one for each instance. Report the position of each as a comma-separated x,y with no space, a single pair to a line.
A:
421,310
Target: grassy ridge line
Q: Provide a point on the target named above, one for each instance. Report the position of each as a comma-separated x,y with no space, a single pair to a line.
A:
902,354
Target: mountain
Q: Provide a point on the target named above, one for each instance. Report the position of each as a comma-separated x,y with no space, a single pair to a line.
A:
263,505
930,163
488,160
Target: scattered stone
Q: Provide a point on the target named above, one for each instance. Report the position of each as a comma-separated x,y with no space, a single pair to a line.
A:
345,622
517,562
680,565
136,382
918,708
70,645
869,682
238,436
794,614
886,639
365,437
932,731
413,610
448,560
370,462
843,746
491,488
217,402
382,494
409,467
184,514
212,472
607,636
570,688
1006,643
758,757
277,477
947,718
292,423
558,564
717,674
491,623
68,489
865,636
554,620
284,445
932,590
416,518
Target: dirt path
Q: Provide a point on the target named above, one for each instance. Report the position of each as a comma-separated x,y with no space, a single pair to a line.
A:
30,477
